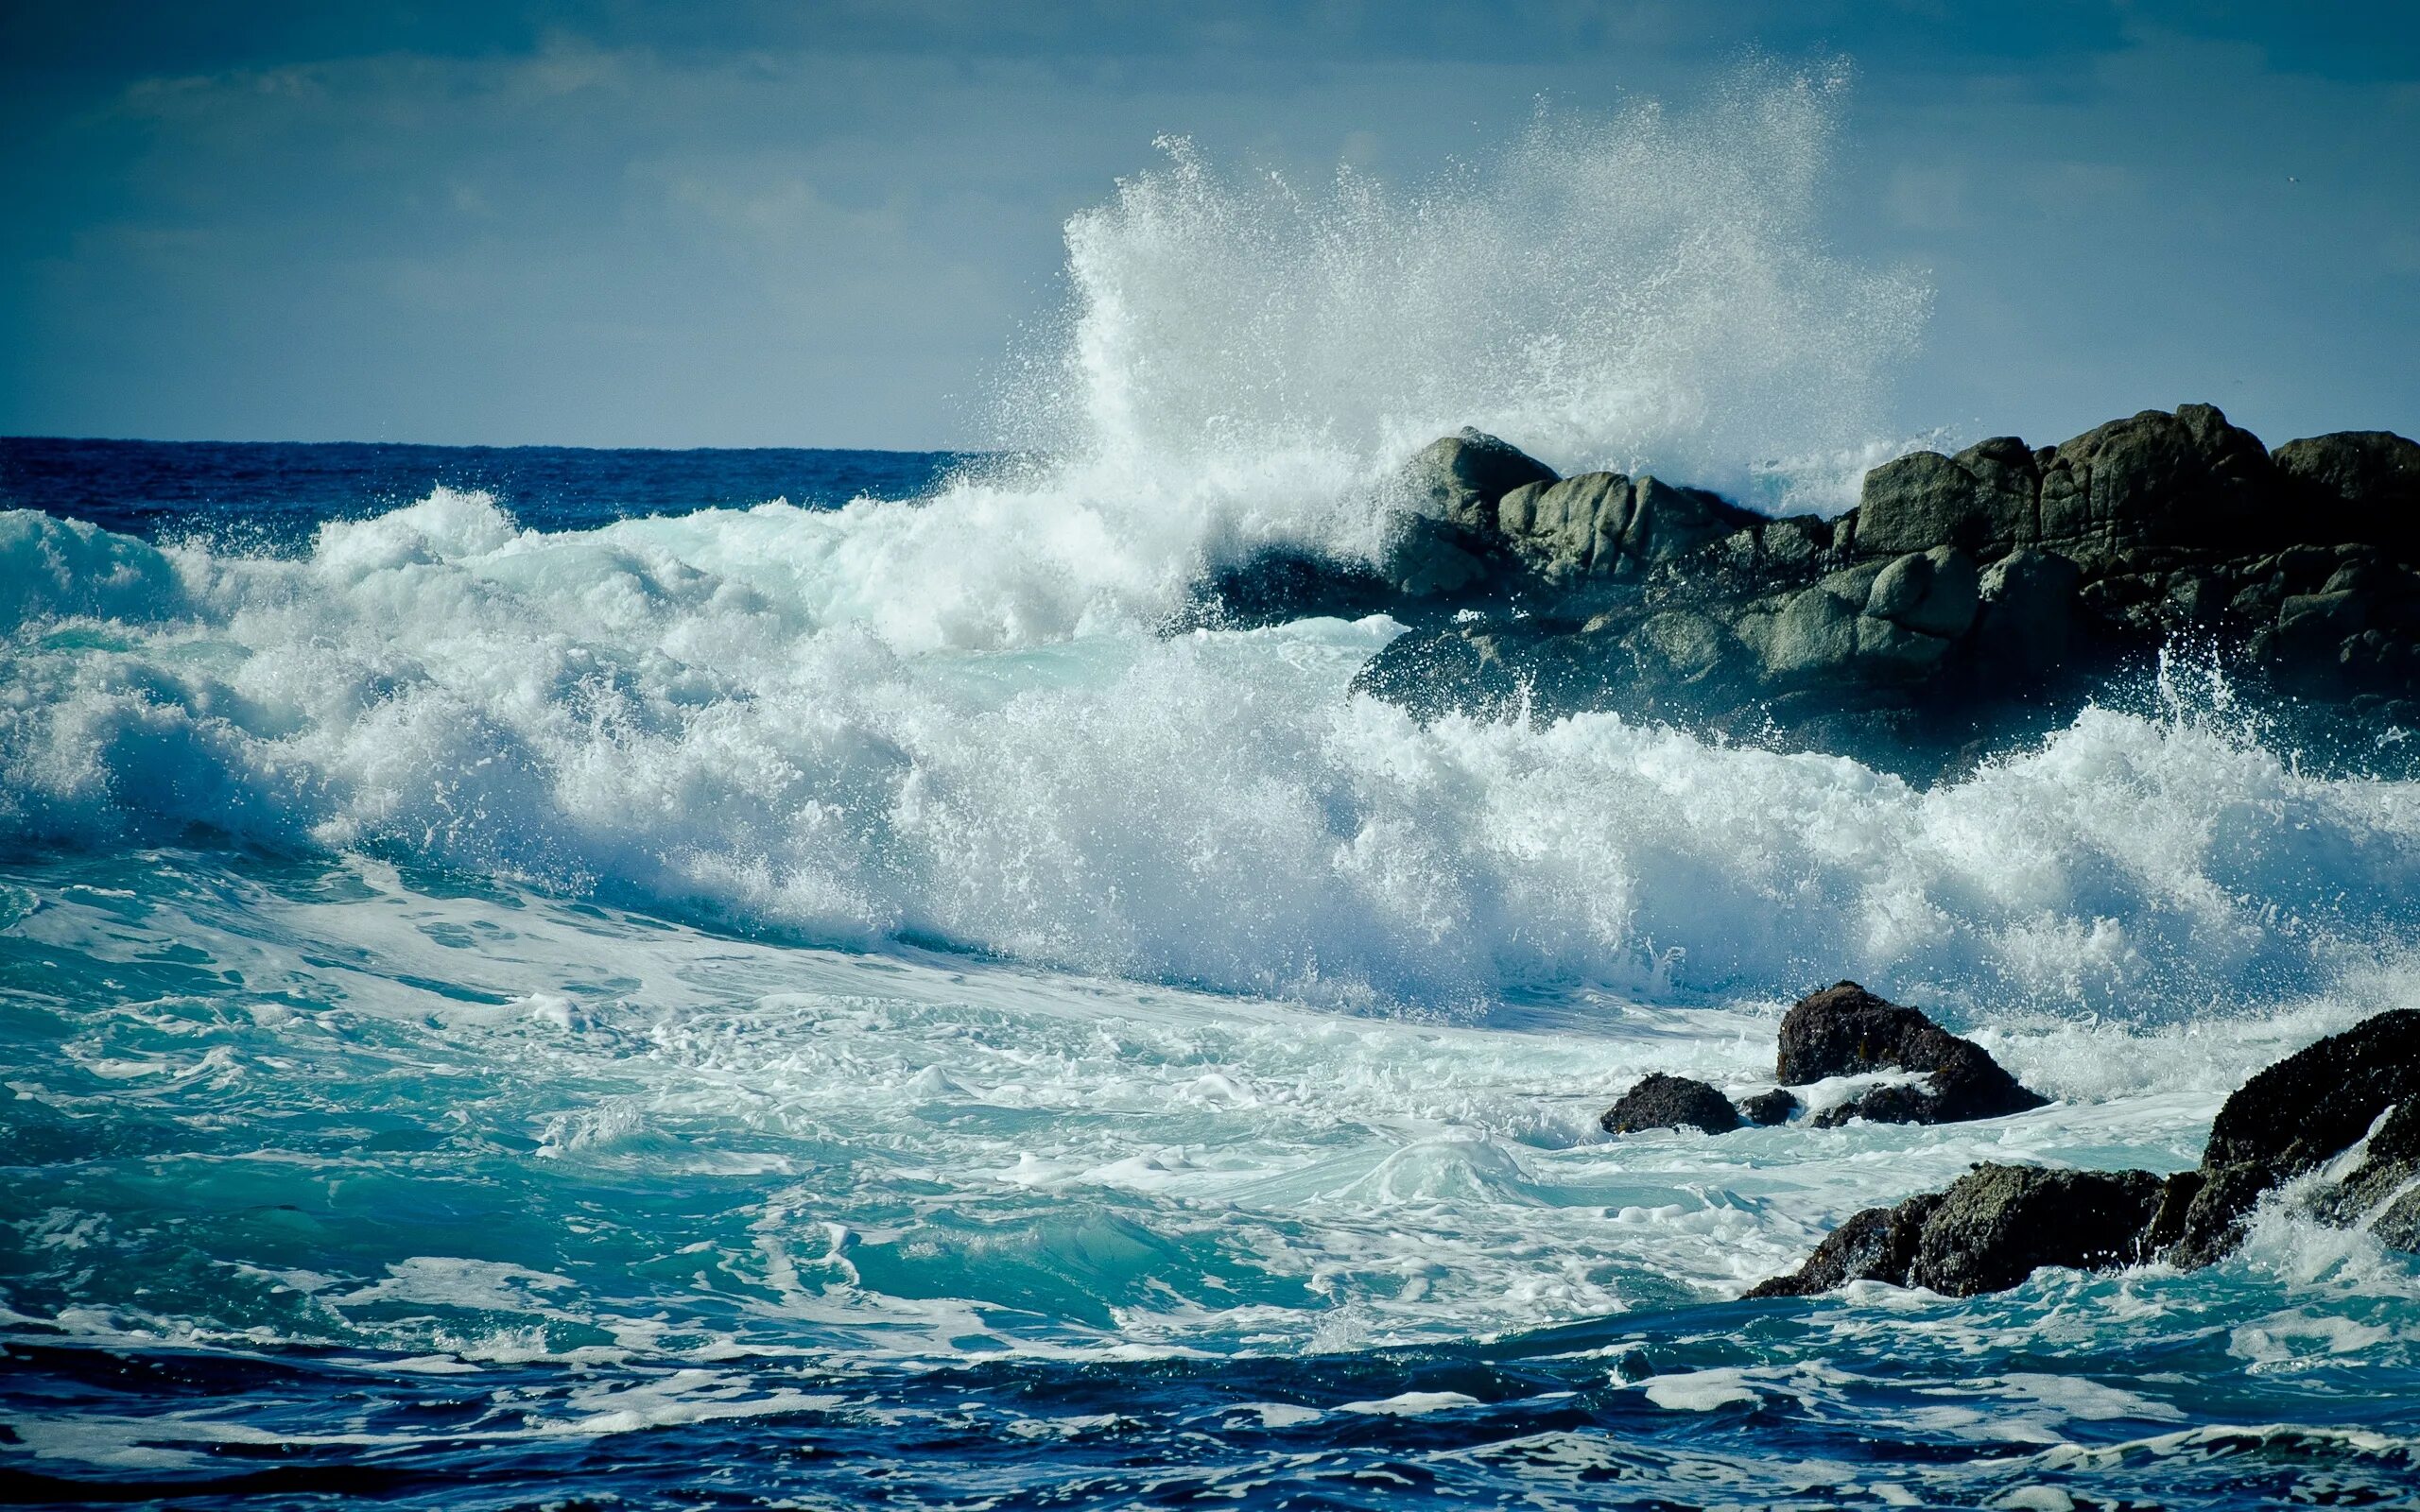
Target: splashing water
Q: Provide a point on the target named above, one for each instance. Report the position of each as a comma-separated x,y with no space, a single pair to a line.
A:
476,1031
1646,291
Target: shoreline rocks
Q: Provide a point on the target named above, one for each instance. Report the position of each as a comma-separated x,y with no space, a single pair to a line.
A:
1965,599
2354,1091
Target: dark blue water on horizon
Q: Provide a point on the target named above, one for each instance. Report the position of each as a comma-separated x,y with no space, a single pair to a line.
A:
560,1000
284,489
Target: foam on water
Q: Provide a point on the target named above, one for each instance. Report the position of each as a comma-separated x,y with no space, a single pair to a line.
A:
677,714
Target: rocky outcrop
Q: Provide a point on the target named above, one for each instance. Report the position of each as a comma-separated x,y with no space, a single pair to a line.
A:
1967,599
1661,1101
1600,526
2300,1114
2354,1094
1992,1228
1846,1031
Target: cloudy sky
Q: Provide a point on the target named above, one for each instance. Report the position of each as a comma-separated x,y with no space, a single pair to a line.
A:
825,223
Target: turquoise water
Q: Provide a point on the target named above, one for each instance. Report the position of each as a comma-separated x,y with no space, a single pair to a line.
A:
780,1007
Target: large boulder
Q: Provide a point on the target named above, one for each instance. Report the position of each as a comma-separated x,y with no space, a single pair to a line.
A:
1668,522
1442,506
1568,530
2025,623
1846,1031
1991,1230
2358,486
1605,525
1459,479
1981,501
2160,481
1662,1101
2296,1116
1876,1244
1877,623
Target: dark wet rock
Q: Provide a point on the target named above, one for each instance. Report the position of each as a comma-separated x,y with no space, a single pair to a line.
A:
2159,479
1434,558
1768,1109
1460,478
1991,1230
1280,586
1877,1244
2025,623
1998,1223
1846,1031
2298,1115
2357,1091
1968,603
1442,536
1603,526
1661,1101
2359,486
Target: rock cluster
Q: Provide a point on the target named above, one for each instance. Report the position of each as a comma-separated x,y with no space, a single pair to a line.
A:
2353,1096
1963,593
1841,1031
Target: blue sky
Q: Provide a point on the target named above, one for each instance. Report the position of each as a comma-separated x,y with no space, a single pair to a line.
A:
823,224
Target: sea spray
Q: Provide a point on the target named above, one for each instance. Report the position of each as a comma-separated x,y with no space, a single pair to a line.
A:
1645,290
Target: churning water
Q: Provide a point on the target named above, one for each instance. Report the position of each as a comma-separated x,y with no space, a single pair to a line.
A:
550,995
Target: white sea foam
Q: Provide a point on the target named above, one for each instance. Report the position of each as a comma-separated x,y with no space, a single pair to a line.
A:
660,712
947,721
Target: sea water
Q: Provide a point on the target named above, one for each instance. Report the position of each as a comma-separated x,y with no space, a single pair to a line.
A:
624,979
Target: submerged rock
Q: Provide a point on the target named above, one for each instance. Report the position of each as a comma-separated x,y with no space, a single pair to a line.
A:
1846,1031
1661,1101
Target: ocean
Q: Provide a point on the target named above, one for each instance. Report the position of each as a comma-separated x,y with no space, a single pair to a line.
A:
582,979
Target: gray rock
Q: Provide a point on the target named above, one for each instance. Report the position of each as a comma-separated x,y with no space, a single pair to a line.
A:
1571,530
1433,559
2160,480
1980,501
2294,1117
1876,1244
1991,1230
1933,592
1460,478
1668,523
1769,1107
1998,1223
1814,635
1687,646
1660,1101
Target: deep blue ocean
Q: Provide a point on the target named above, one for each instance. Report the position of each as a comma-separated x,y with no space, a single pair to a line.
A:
568,979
